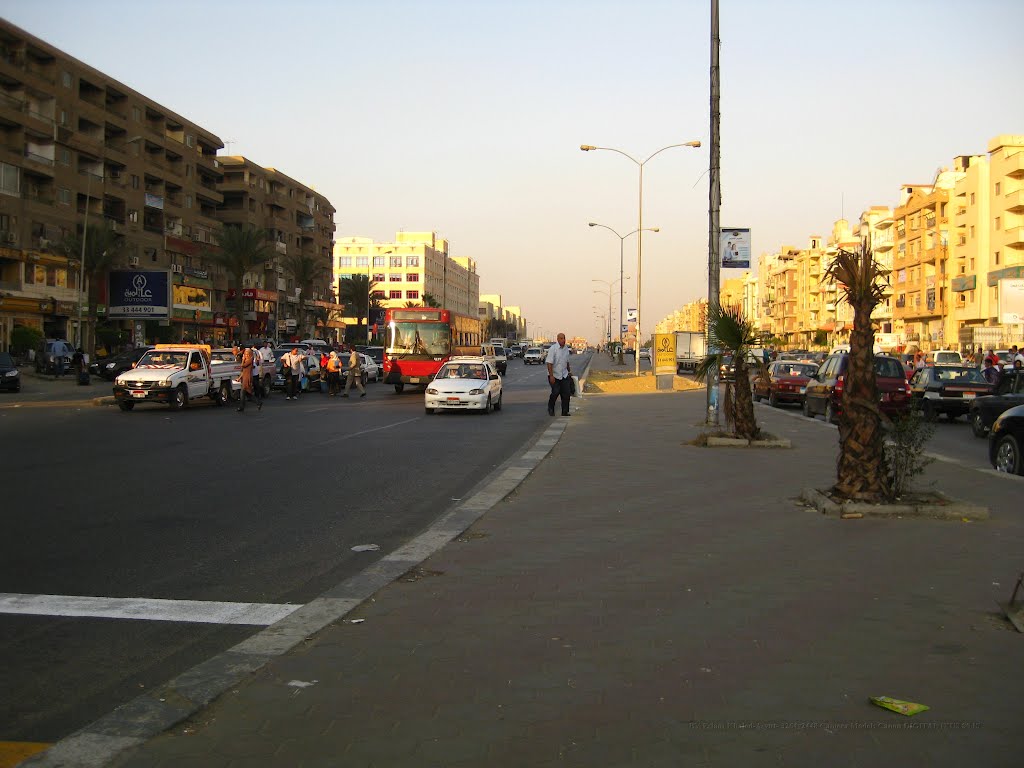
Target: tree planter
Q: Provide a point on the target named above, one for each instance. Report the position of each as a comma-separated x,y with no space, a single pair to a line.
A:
930,504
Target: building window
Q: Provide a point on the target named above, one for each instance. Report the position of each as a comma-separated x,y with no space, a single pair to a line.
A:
972,198
396,261
10,179
412,261
64,157
362,261
972,231
135,181
412,277
190,141
395,277
378,261
999,222
997,258
378,277
972,265
394,294
412,294
970,296
64,196
133,216
188,201
344,261
999,186
65,79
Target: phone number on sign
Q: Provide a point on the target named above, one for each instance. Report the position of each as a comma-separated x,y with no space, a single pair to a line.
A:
162,311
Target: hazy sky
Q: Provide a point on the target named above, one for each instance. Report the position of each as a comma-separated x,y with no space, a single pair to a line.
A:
466,116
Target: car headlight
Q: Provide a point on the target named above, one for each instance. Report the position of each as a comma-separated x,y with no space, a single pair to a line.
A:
11,374
997,424
476,391
431,391
109,366
164,383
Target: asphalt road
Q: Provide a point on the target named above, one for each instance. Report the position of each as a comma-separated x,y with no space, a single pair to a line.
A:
208,504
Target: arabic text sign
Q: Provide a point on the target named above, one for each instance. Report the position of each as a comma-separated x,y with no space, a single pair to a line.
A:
135,293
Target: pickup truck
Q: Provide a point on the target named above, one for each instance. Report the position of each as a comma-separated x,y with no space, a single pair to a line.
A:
176,374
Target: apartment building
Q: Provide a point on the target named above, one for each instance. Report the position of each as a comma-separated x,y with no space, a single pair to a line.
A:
412,267
492,311
876,229
83,146
299,223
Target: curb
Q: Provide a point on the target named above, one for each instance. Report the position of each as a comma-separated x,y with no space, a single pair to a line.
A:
150,714
943,508
739,442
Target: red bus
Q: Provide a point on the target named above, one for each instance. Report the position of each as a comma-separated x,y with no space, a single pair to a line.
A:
419,340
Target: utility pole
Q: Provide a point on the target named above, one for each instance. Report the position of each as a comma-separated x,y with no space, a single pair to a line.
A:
714,225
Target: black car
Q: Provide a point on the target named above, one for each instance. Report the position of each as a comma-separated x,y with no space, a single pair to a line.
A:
10,376
112,367
49,352
1008,392
948,389
1004,444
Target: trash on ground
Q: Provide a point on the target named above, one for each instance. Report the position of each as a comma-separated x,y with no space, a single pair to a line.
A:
907,708
365,547
356,621
302,683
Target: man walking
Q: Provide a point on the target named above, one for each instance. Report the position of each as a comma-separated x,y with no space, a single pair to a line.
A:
292,367
559,375
355,372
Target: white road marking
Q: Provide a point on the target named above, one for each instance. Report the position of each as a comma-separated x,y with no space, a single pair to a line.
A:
146,609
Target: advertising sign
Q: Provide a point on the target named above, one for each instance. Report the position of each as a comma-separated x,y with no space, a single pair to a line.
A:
137,293
1011,301
191,298
630,315
735,247
664,353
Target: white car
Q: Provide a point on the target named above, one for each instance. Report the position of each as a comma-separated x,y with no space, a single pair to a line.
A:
371,371
533,356
645,353
464,384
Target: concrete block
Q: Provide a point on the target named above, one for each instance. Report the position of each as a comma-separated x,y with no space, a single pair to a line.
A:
727,442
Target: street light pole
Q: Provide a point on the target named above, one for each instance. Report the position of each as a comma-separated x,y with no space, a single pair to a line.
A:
639,230
622,284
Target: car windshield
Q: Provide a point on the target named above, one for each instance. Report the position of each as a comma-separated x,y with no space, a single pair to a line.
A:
888,368
462,371
163,359
533,351
960,375
377,353
411,339
947,357
6,359
222,357
796,370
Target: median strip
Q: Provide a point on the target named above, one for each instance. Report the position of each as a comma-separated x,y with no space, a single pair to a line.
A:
146,609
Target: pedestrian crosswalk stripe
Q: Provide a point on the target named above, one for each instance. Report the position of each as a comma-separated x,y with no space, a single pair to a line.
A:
146,609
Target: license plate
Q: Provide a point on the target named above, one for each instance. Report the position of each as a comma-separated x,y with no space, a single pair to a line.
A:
138,393
414,381
453,399
968,395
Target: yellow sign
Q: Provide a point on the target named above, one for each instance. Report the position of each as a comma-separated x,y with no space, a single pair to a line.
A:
664,353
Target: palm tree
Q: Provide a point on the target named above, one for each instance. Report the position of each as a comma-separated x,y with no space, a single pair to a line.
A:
241,250
861,471
430,301
731,332
307,271
103,248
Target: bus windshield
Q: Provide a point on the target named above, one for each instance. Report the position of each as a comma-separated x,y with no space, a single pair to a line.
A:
430,339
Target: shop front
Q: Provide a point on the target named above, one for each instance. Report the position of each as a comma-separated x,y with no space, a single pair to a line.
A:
259,311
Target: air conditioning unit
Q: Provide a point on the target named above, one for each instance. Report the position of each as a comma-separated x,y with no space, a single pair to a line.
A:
133,261
176,268
10,237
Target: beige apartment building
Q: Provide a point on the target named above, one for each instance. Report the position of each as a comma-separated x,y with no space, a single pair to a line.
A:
80,145
413,266
491,308
300,225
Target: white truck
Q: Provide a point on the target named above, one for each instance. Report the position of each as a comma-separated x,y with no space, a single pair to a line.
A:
691,348
176,374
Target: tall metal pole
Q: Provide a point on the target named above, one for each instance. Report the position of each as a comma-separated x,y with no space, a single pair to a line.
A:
81,265
622,287
714,206
639,269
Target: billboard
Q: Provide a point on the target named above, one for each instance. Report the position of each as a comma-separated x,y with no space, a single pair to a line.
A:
734,246
191,298
1011,301
139,293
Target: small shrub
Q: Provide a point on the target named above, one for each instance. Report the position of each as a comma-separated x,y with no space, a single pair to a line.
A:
904,450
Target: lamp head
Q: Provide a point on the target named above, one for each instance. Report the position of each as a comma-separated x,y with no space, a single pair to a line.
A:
655,229
694,144
591,224
587,147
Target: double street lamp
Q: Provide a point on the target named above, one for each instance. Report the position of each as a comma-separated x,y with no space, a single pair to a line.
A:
610,285
622,285
640,227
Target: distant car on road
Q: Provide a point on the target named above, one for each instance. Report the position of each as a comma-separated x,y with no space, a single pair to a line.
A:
784,383
948,389
464,383
1008,392
533,356
824,391
113,366
645,353
10,376
1006,440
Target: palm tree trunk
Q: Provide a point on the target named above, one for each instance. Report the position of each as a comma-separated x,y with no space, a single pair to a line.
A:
745,423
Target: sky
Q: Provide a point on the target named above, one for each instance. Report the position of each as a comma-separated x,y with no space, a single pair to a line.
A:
465,117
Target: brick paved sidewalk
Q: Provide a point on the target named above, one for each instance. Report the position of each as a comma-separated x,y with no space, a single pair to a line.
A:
643,602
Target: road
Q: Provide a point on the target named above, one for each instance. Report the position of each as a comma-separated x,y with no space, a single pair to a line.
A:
212,506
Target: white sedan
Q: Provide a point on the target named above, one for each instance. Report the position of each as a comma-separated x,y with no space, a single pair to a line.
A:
370,367
464,384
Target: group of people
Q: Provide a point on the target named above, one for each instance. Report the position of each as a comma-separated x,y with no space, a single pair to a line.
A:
992,368
294,370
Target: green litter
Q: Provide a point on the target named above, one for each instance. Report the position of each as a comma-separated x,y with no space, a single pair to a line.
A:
907,708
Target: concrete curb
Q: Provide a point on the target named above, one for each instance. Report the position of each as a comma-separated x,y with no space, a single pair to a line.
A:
150,714
943,508
739,442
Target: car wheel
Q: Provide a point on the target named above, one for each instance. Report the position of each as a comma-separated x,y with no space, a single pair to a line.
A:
830,412
429,411
807,408
180,399
125,405
497,405
1008,455
364,378
773,399
928,411
488,407
399,388
978,425
267,386
223,394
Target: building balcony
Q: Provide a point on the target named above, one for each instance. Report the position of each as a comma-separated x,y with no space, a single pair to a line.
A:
1014,236
1014,166
1015,201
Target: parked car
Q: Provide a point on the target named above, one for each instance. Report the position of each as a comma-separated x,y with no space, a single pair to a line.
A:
49,352
464,383
113,366
10,376
371,371
1007,393
948,389
785,382
645,353
1006,440
377,353
312,362
946,357
824,391
533,356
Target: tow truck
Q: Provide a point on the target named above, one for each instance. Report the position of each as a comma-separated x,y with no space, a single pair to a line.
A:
175,374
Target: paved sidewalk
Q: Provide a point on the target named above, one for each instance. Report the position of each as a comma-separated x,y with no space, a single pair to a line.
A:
639,601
